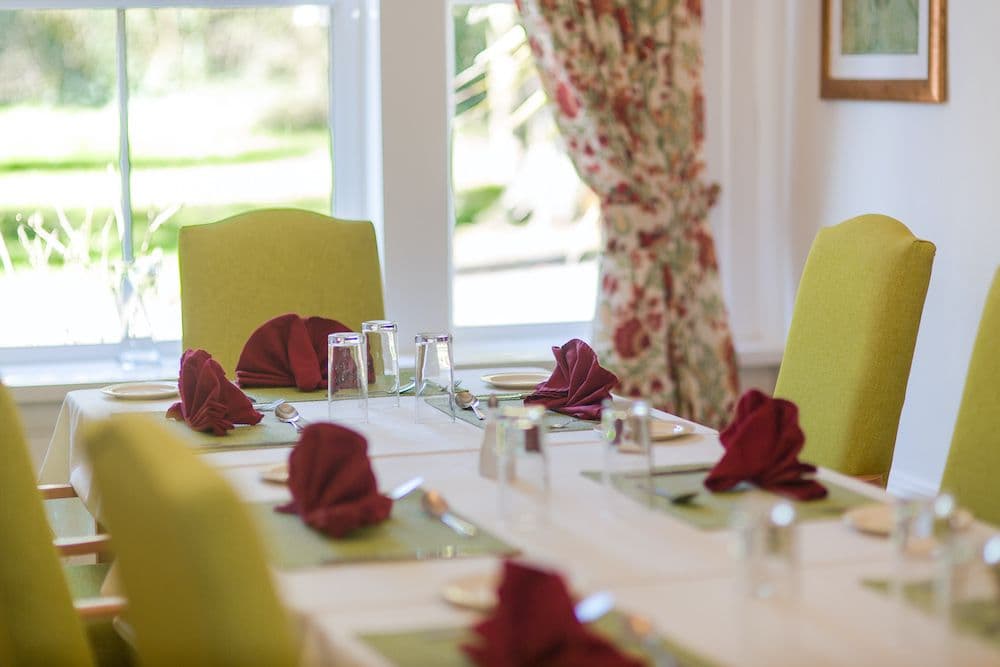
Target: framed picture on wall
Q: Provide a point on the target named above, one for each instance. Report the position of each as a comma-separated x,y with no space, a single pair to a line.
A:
884,50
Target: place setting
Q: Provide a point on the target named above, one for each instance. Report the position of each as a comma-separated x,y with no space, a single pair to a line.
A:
761,447
529,616
337,515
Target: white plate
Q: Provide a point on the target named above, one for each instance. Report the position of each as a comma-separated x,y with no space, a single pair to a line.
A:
878,519
873,519
475,591
661,429
478,591
141,391
515,380
275,474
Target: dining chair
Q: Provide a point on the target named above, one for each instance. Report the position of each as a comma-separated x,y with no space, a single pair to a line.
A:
850,344
191,562
973,464
237,273
48,615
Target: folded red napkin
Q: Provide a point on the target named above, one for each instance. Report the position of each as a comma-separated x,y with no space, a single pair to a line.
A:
578,384
332,483
762,447
287,351
534,624
210,402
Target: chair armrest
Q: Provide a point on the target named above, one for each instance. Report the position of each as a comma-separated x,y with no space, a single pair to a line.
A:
82,546
102,607
55,491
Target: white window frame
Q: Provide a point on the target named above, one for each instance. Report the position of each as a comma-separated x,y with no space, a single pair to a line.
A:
353,123
391,103
416,79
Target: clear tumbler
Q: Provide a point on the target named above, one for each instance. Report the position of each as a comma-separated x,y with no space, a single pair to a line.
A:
347,377
381,339
435,378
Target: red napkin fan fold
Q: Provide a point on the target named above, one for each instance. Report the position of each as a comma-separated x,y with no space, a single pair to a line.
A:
332,483
287,351
578,385
534,624
762,447
209,402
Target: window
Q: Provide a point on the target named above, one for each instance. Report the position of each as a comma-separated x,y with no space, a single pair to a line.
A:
437,127
211,112
523,219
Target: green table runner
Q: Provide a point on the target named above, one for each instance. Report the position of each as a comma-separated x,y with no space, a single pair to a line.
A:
409,534
978,617
290,394
551,418
711,511
269,432
441,646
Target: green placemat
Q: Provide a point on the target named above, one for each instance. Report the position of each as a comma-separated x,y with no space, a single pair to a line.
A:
409,534
269,432
290,394
440,647
711,511
978,617
551,418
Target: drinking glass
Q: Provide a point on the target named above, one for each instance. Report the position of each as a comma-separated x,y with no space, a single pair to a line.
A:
347,376
523,467
921,537
625,430
766,544
381,339
435,378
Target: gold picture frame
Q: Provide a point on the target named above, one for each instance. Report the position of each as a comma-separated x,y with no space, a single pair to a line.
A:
908,65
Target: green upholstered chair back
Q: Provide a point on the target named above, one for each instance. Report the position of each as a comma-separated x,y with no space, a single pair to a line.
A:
972,472
850,344
38,624
191,562
238,273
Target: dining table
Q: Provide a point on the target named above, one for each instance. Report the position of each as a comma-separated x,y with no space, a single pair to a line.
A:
678,567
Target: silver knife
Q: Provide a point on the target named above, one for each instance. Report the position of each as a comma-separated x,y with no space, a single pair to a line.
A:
405,488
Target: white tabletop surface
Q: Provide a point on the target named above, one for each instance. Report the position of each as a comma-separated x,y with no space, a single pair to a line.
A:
683,579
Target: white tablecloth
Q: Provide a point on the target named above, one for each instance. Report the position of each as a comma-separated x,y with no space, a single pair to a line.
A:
684,579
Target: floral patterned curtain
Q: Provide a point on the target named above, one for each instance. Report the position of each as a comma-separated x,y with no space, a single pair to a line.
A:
626,77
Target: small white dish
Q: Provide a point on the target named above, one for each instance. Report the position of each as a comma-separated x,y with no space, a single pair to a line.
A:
515,380
873,519
141,391
662,429
878,518
275,474
475,591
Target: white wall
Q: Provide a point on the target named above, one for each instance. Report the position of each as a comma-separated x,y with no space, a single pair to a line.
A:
934,167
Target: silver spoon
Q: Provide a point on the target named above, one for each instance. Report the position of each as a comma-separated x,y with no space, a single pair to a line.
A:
469,401
435,505
287,413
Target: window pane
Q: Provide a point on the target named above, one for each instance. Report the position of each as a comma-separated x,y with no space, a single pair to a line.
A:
58,179
228,112
526,234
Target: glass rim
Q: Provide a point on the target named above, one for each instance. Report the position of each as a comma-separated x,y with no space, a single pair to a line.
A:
369,326
344,338
432,337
